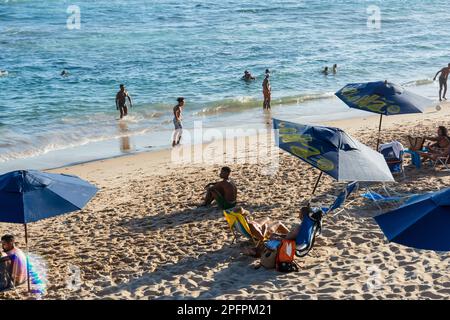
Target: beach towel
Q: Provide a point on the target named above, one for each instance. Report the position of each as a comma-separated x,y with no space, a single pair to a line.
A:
395,148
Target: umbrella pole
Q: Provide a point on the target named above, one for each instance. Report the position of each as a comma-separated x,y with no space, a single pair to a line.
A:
28,264
379,132
317,182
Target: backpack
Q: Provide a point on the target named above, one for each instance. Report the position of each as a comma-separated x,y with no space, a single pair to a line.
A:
5,276
285,257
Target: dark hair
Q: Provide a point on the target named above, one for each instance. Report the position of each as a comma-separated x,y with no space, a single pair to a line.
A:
122,85
267,71
444,130
180,99
8,238
305,209
226,169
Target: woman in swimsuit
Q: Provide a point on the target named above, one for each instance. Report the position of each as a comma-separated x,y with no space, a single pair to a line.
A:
440,147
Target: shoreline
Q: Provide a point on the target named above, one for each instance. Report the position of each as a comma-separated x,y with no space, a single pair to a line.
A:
326,110
352,125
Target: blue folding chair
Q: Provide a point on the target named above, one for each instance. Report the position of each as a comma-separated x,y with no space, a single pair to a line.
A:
380,199
341,199
311,227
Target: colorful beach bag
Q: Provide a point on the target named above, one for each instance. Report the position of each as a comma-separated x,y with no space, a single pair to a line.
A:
285,256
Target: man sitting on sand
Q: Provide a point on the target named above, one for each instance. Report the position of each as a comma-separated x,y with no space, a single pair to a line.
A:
441,147
13,262
223,192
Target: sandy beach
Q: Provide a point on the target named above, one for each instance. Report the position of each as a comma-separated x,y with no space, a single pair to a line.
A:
143,237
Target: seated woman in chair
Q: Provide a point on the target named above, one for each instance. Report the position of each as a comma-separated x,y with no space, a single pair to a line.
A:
273,230
440,147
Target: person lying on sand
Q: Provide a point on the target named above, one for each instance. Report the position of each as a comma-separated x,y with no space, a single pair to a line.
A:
223,192
441,147
13,262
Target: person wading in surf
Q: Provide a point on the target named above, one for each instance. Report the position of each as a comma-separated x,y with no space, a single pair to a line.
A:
121,100
443,81
177,121
266,91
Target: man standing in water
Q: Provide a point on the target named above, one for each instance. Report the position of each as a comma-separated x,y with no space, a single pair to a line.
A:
266,90
121,100
177,121
443,81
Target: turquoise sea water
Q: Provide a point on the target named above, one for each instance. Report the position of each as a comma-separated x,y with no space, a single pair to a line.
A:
197,49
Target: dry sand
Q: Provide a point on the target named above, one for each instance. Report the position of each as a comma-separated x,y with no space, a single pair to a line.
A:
142,236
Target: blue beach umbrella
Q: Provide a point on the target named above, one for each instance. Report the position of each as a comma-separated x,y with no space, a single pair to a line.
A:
423,222
382,97
30,196
332,151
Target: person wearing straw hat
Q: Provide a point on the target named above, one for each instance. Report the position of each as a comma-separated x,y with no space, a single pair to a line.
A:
14,261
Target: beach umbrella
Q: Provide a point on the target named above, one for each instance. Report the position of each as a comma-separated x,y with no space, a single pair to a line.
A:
333,152
384,98
423,222
30,196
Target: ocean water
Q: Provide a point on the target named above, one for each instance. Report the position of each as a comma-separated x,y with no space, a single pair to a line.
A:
197,49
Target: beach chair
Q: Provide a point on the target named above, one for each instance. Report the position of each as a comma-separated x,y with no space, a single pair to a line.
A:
239,225
442,161
391,197
341,200
393,153
310,227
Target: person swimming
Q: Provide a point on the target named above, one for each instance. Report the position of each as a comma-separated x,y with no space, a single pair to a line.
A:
247,76
325,71
64,73
334,68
